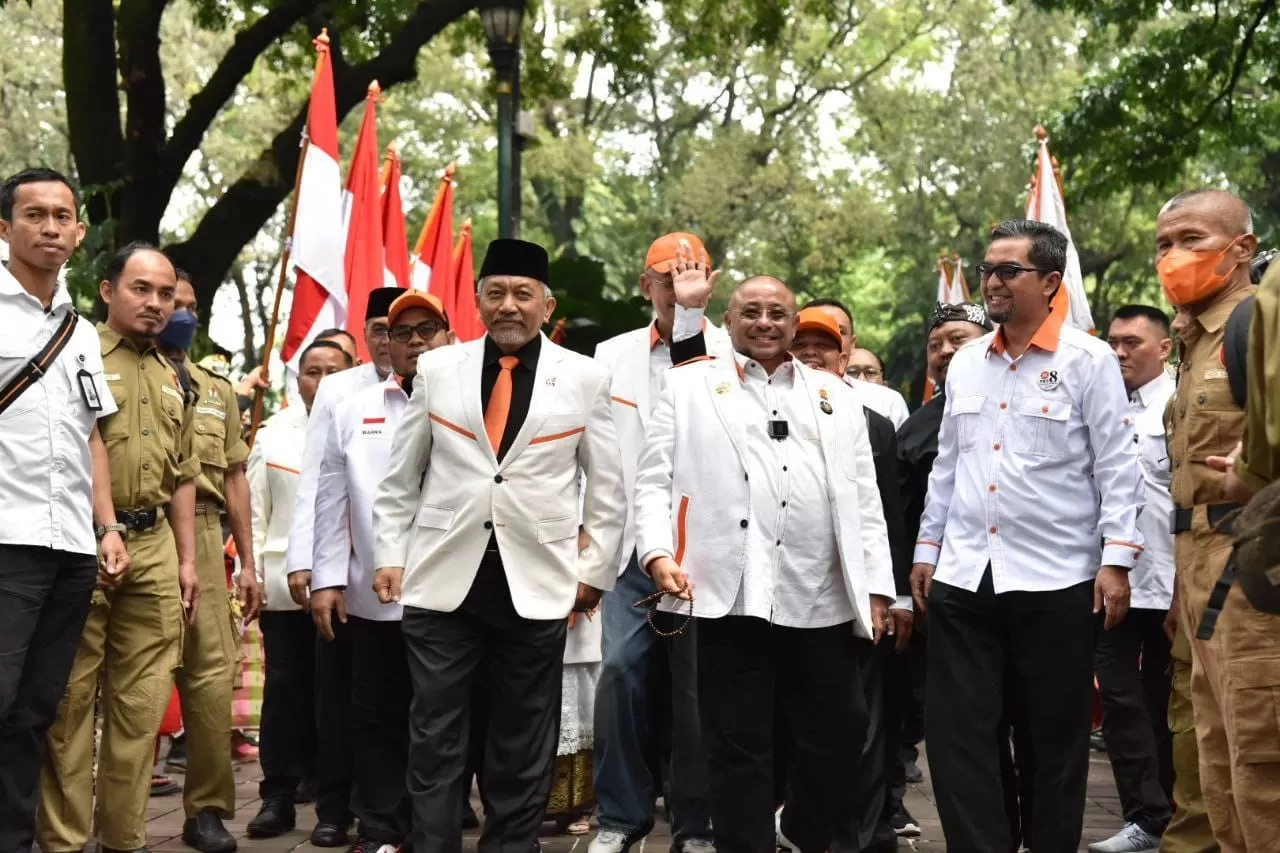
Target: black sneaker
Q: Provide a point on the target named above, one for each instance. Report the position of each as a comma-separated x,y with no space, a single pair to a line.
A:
904,824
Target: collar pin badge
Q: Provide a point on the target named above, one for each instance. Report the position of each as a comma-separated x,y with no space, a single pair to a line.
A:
825,406
822,392
1048,380
722,388
80,357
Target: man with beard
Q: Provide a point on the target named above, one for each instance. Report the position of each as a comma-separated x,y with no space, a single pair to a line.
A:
1029,530
356,458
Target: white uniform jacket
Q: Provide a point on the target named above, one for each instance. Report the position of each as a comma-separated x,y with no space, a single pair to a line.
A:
445,492
692,493
627,358
334,388
357,453
274,465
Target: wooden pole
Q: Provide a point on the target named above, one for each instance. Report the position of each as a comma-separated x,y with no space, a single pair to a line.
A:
322,46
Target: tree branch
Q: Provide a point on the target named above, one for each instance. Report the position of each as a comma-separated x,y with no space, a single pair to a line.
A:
240,213
1237,68
93,102
234,66
138,37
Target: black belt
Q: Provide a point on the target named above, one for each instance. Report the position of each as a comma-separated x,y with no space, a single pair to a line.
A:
1217,512
138,519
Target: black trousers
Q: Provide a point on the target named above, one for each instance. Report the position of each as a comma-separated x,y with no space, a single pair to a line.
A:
288,736
908,680
1036,647
748,672
333,727
380,694
1134,667
517,663
44,601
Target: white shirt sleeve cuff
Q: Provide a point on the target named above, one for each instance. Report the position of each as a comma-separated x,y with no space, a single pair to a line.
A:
1122,554
903,602
927,552
651,556
687,323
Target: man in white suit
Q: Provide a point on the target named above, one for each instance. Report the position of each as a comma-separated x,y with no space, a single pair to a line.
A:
333,656
476,531
288,637
756,498
625,728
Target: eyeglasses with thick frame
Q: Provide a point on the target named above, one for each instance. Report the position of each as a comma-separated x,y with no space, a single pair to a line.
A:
426,330
1006,272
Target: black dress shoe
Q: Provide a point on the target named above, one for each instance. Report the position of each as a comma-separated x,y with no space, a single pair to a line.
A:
329,835
206,833
276,817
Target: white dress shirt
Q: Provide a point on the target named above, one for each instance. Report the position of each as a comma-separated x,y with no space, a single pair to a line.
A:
882,400
1037,471
46,470
1151,581
333,389
792,576
357,454
275,463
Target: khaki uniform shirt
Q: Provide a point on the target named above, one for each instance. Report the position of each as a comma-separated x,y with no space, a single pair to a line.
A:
1259,460
217,441
149,439
1203,418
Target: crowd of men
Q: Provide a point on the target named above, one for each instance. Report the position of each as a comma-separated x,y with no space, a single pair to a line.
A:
762,534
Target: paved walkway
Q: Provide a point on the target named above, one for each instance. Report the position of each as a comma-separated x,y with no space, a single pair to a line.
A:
164,828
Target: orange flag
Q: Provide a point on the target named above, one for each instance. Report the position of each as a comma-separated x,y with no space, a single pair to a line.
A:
433,253
464,317
366,263
394,240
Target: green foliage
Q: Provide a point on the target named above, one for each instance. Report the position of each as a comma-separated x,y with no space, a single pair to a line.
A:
590,316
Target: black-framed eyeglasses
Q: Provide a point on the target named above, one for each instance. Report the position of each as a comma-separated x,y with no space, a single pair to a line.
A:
426,330
1006,272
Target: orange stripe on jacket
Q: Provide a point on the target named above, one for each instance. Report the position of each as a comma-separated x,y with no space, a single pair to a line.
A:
450,425
625,402
542,439
682,516
284,468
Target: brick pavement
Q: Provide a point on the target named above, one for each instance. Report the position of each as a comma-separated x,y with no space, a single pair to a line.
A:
164,827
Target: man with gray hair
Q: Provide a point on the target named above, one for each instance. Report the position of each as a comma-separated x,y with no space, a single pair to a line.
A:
1029,531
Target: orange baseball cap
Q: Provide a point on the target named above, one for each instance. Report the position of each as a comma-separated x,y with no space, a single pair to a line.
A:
662,253
814,320
416,299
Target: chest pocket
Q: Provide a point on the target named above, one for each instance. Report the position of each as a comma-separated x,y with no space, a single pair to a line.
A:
1154,453
118,426
966,414
209,443
1206,414
1039,427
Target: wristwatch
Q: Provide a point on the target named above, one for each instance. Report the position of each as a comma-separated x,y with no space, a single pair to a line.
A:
104,529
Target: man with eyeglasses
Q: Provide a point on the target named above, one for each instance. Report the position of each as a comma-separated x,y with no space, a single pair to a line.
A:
333,655
877,397
355,458
865,365
1030,529
757,510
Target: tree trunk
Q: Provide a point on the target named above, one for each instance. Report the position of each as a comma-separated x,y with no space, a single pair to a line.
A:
248,351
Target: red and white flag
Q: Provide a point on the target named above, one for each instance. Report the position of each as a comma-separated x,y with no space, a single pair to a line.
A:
394,240
319,290
365,256
1046,204
433,253
463,316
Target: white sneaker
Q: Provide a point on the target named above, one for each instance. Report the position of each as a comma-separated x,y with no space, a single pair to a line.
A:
1131,839
784,843
608,841
697,845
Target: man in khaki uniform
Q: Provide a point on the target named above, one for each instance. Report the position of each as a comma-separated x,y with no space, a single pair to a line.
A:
211,650
1204,242
133,637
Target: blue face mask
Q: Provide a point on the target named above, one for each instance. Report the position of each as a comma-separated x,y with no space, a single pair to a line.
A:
180,332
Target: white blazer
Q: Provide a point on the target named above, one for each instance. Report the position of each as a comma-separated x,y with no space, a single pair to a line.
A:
692,490
274,466
445,492
626,357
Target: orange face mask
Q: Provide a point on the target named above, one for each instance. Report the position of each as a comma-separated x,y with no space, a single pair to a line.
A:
1189,277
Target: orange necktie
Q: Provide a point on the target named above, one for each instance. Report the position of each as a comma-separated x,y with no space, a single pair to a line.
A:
495,415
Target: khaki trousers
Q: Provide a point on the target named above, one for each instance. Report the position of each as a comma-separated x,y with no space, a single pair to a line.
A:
1189,831
210,654
133,641
1235,691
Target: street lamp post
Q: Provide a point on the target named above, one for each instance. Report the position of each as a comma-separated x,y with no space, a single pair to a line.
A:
502,19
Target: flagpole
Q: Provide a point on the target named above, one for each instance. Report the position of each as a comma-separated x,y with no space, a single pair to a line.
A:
322,46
